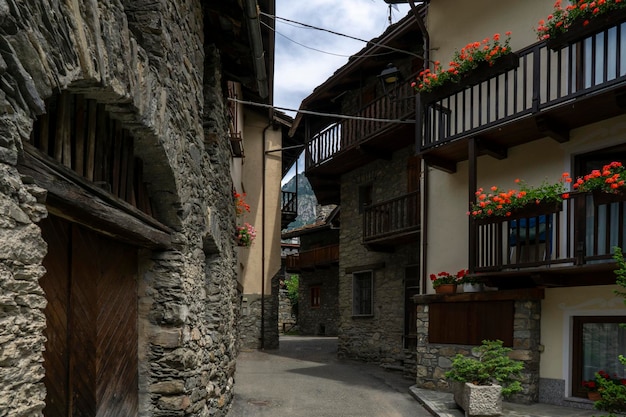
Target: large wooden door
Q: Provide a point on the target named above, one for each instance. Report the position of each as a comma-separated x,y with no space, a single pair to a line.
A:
91,352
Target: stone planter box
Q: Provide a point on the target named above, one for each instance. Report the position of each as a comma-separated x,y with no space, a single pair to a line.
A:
478,400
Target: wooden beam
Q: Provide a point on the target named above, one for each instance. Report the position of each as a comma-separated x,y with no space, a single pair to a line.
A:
375,152
486,147
440,163
552,129
73,198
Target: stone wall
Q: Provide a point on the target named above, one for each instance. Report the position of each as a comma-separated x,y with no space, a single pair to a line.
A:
145,62
433,360
378,338
322,320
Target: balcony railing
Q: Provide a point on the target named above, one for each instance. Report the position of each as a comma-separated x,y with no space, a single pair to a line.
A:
289,207
350,133
392,219
313,258
581,231
544,80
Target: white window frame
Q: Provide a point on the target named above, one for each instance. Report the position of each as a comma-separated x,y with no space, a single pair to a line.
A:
356,304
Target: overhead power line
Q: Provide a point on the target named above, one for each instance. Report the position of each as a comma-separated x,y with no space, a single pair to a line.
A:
314,113
306,25
319,50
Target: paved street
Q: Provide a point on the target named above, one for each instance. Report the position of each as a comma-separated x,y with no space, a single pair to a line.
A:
304,378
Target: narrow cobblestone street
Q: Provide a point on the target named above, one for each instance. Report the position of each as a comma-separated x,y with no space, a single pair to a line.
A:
304,378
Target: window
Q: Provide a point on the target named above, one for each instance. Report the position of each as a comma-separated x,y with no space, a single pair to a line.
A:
365,196
597,342
363,293
316,298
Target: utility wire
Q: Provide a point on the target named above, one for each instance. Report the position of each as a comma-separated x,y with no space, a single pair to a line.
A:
324,52
314,113
341,34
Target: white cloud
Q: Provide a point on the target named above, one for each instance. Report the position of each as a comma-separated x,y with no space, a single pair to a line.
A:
298,69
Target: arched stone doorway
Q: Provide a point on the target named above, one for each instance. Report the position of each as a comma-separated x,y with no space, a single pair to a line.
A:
100,218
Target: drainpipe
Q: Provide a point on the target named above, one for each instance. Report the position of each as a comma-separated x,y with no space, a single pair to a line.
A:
254,31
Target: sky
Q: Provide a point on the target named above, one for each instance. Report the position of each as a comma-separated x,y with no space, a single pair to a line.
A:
306,57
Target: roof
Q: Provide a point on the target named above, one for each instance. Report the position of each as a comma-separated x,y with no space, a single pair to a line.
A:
401,35
326,223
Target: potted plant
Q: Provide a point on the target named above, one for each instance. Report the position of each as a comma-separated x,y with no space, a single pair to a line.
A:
612,390
245,235
474,63
446,283
607,184
481,380
470,283
579,19
511,203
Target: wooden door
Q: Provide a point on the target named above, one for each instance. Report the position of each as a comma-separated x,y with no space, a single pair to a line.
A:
91,353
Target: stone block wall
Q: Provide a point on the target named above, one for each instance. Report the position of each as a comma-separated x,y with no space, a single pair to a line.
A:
146,63
434,360
378,338
322,320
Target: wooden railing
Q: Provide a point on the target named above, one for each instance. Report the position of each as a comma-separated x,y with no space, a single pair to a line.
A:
289,202
543,80
349,133
313,258
583,230
393,217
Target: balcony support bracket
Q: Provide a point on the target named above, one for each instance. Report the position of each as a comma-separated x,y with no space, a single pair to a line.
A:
552,129
486,147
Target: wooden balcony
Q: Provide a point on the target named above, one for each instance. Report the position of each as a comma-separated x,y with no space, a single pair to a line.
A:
392,222
312,259
349,143
566,245
549,94
288,208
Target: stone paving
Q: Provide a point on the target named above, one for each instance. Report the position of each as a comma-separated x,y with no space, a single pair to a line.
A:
441,404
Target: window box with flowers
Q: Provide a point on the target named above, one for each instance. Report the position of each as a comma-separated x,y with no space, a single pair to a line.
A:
473,64
494,206
446,283
246,233
578,20
608,185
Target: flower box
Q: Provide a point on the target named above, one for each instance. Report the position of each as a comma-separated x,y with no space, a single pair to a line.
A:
526,212
483,72
601,198
578,30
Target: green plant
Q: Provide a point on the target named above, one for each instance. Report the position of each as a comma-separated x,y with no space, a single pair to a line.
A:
240,203
613,390
491,365
245,235
447,278
503,203
465,60
610,179
560,20
293,287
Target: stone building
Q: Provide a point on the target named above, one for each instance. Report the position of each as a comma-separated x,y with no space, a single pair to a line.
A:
366,164
118,270
317,265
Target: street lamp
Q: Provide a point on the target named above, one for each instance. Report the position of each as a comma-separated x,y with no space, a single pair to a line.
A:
390,79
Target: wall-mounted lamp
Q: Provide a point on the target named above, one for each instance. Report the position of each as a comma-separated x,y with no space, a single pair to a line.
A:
390,79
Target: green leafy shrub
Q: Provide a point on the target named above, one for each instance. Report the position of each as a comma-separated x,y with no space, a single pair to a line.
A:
492,365
293,286
612,391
